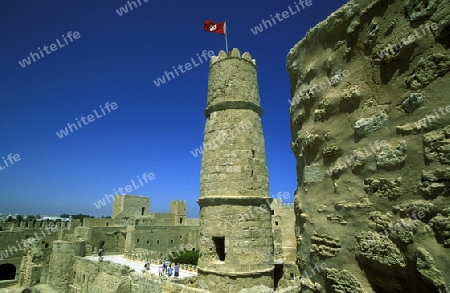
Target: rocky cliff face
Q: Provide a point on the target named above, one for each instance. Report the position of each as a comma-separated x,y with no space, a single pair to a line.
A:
370,113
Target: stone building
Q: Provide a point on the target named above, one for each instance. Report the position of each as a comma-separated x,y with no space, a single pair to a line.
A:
134,228
56,263
26,247
369,122
234,181
285,243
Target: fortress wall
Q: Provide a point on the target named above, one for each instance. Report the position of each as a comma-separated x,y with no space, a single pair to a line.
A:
163,219
371,135
192,222
93,222
11,241
112,238
164,239
62,260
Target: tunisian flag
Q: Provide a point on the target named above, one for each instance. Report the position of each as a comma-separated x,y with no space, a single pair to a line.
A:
215,27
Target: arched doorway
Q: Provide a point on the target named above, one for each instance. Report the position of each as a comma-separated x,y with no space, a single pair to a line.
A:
7,272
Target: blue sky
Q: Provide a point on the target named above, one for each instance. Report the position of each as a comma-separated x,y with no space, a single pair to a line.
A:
153,129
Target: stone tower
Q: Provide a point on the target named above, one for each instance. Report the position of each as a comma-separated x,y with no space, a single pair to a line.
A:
178,209
130,206
61,263
236,242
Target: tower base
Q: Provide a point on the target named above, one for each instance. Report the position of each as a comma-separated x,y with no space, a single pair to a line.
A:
217,282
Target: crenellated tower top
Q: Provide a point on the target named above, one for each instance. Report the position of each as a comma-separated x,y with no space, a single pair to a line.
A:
233,83
234,53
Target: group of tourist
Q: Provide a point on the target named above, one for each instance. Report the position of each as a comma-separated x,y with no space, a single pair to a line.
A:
165,269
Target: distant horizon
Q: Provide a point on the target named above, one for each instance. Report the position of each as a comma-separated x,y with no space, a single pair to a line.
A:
285,199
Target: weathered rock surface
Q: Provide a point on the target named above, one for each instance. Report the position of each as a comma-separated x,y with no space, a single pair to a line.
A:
377,213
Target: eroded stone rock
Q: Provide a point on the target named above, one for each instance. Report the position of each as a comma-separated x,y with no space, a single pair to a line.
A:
418,9
391,157
343,281
428,69
365,126
441,228
378,250
324,245
412,102
383,187
437,145
427,269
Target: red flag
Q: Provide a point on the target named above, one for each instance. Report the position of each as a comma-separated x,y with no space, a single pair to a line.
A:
214,27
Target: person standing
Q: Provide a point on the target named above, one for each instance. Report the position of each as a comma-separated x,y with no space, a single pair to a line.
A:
164,267
176,270
169,271
161,270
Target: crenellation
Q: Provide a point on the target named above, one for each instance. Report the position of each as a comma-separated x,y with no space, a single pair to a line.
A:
233,54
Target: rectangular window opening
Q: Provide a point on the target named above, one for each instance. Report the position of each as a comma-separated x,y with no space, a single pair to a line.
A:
142,212
219,242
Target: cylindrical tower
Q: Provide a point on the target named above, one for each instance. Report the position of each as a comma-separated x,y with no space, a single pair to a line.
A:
236,242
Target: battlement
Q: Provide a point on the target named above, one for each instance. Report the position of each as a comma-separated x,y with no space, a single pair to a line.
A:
178,202
235,54
232,84
287,206
278,204
178,210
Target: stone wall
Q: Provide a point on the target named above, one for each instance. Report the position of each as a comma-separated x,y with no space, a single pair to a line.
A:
369,122
130,206
178,209
61,267
12,245
285,244
111,238
162,239
96,222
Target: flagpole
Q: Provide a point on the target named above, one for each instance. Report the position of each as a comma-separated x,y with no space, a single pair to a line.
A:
226,37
